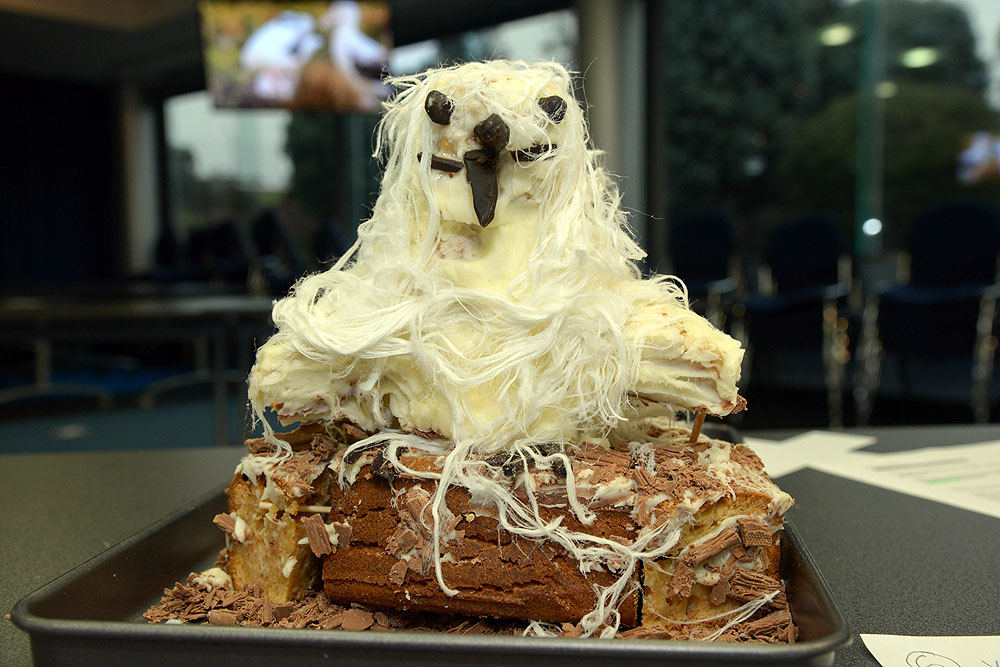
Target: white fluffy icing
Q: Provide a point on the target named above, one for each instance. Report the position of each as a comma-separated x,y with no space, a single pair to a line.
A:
253,466
539,326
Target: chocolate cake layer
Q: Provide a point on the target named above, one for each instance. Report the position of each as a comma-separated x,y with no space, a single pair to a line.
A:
389,563
726,510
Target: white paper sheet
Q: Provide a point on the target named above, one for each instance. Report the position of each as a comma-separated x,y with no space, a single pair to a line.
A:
966,476
783,457
899,651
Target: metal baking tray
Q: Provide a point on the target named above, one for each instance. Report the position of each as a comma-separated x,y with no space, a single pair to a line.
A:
92,615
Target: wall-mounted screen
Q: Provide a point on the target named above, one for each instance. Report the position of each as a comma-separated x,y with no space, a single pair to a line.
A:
296,55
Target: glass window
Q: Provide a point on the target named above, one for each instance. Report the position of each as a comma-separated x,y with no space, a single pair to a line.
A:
294,186
861,109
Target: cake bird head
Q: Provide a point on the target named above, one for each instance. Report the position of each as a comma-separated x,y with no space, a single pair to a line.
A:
476,147
493,137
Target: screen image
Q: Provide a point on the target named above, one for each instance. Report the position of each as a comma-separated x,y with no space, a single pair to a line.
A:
979,160
296,55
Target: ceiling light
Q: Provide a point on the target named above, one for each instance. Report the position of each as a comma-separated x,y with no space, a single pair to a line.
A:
836,34
921,56
886,89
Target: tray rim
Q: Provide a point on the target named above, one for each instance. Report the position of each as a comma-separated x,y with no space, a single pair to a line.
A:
307,638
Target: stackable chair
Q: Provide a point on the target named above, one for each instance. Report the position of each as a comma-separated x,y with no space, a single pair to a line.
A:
795,315
943,312
704,257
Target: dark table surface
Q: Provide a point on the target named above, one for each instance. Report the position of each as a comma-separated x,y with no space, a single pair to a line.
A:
897,564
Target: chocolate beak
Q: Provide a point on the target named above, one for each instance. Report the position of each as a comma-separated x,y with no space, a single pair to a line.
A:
481,170
481,166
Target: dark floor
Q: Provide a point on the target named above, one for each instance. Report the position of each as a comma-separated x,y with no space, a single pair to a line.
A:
168,424
188,422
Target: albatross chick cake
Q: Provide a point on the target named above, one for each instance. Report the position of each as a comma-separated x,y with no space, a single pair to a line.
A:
488,394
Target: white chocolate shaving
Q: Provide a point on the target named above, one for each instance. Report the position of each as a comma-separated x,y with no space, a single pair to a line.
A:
213,578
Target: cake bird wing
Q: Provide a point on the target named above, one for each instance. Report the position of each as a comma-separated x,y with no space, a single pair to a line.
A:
685,362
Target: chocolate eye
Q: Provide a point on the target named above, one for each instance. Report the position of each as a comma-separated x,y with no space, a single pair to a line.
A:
439,107
554,107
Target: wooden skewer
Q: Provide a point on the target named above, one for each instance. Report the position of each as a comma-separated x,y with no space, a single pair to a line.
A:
320,509
699,419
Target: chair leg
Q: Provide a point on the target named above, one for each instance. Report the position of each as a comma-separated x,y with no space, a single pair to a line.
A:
982,360
869,363
738,330
834,359
714,312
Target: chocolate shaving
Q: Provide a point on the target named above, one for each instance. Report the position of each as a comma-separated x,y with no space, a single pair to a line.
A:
753,532
747,585
654,632
728,567
332,622
416,501
603,455
227,523
319,539
701,552
511,464
282,611
266,612
355,454
767,625
344,533
642,477
397,575
357,619
187,602
354,431
682,580
300,439
382,468
557,466
222,617
547,448
571,630
401,541
719,592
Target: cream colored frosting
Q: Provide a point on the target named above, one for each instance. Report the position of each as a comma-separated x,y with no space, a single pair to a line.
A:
536,327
